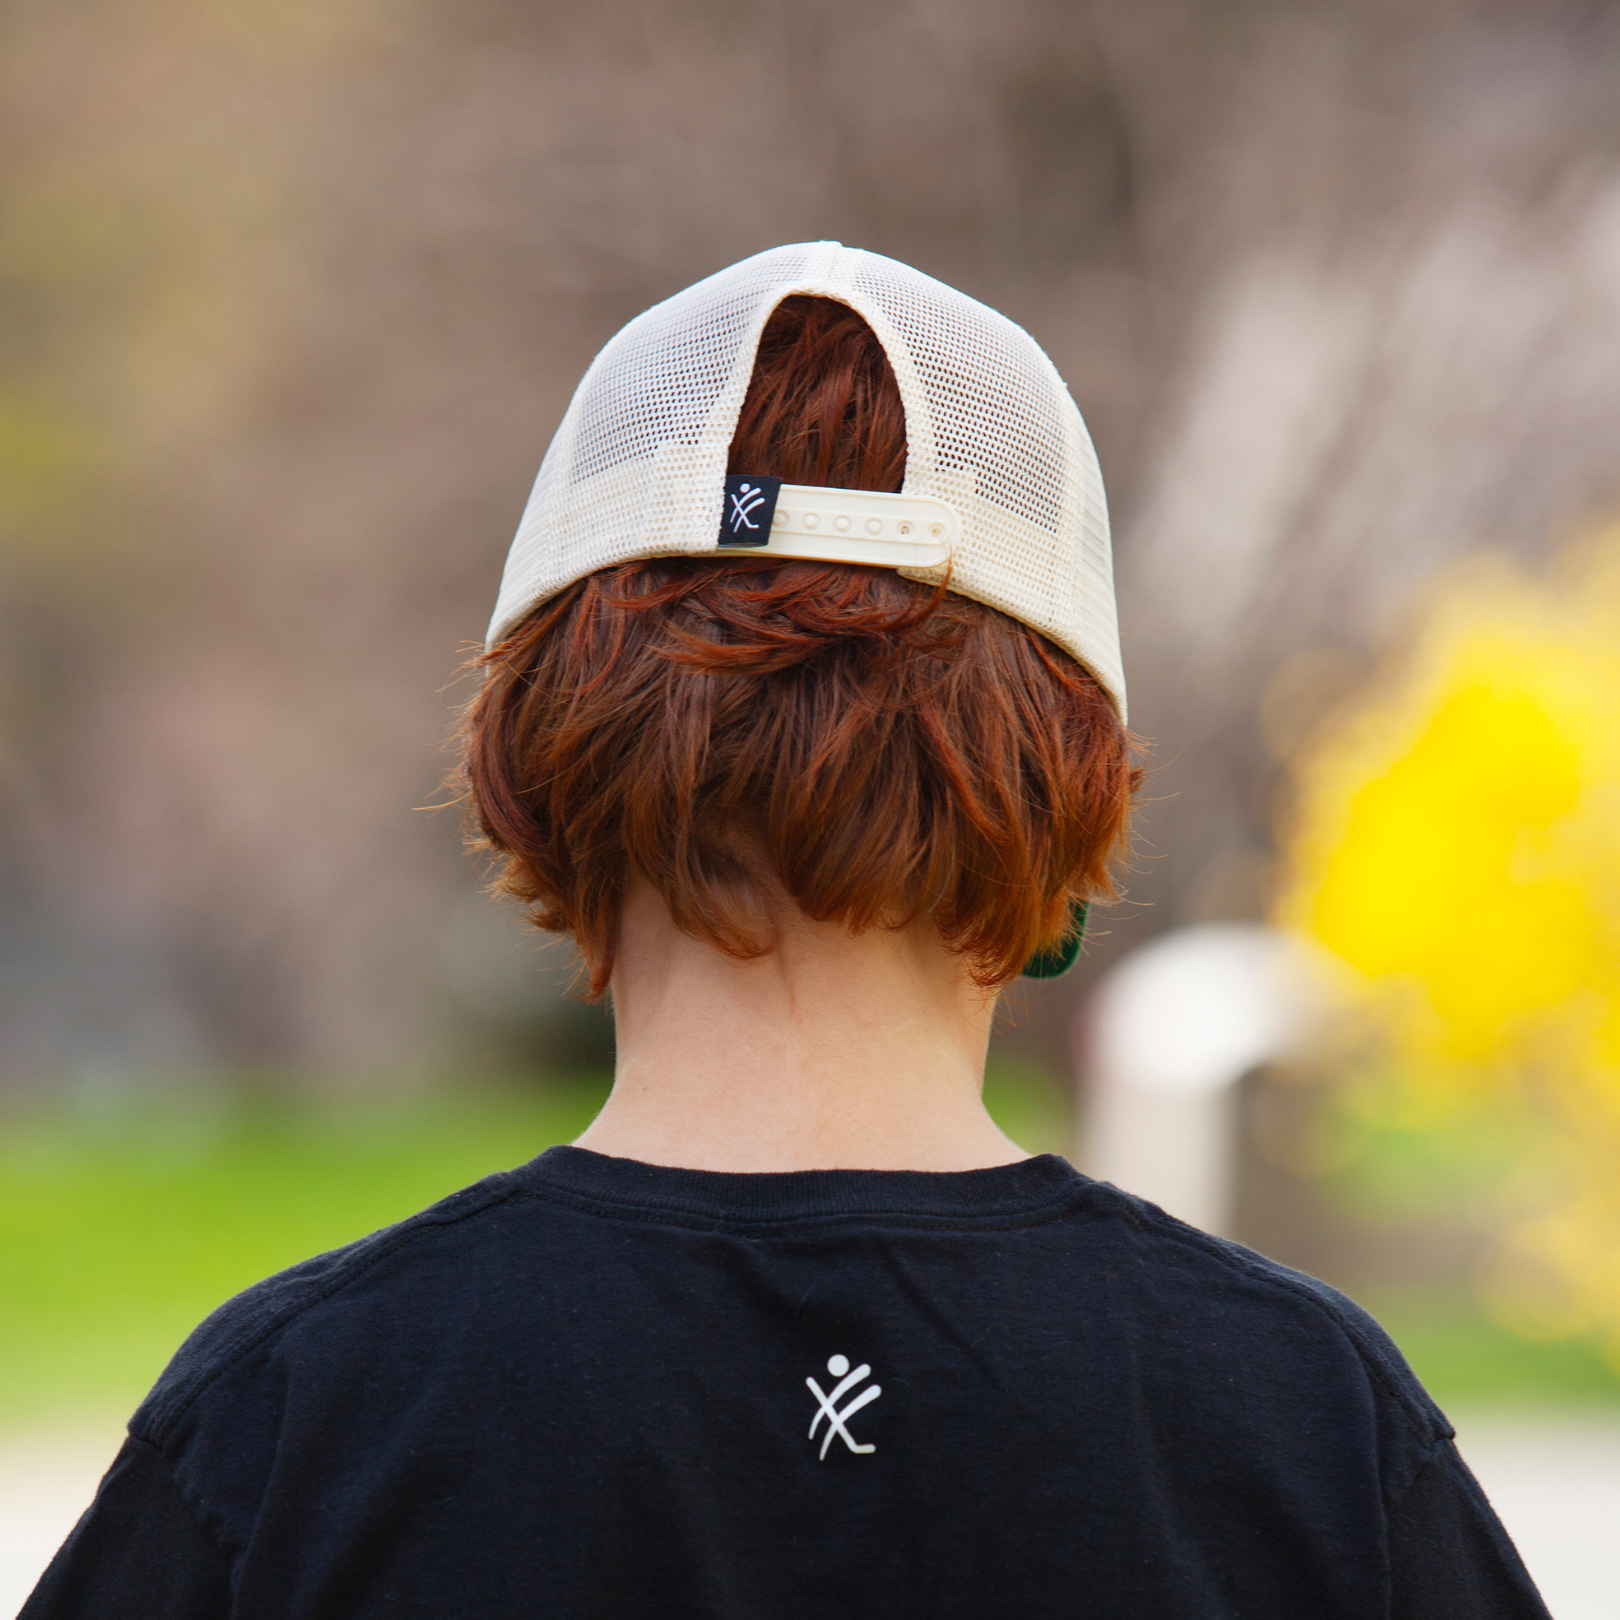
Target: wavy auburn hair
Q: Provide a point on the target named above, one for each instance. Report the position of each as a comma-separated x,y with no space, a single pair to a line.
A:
739,729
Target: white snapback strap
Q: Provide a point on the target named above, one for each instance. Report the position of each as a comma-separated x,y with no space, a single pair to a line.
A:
836,525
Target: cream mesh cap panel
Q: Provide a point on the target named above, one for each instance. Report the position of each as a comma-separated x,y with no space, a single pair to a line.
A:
638,465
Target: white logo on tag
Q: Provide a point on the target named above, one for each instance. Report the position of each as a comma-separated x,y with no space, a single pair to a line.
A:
837,1420
748,499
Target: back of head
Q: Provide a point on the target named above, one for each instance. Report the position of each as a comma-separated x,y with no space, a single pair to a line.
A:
746,731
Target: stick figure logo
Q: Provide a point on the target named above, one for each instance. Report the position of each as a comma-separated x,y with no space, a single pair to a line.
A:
748,509
746,500
827,1404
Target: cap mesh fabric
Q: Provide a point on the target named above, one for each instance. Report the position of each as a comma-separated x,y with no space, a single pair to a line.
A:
637,467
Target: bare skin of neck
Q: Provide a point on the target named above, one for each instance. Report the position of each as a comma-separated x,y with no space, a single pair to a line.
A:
835,1051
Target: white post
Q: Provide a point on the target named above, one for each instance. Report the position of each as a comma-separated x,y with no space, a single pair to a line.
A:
1165,1038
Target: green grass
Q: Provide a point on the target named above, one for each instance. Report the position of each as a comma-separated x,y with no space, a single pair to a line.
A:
118,1235
1466,1359
116,1240
1029,1105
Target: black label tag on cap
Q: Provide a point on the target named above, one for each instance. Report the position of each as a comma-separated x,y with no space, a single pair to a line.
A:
749,505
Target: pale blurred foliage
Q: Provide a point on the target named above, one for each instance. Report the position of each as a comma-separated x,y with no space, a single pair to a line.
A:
1456,844
292,296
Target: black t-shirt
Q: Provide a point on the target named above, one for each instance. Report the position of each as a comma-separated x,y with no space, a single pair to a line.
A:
592,1387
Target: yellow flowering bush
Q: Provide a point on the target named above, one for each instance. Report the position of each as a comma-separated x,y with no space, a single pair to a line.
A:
1456,845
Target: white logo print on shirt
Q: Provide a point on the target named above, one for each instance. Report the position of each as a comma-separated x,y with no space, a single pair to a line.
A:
838,1366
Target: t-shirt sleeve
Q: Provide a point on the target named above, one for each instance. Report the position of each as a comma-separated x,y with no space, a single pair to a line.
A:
139,1553
1450,1558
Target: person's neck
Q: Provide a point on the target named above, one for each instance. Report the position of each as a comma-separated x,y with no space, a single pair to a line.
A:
835,1051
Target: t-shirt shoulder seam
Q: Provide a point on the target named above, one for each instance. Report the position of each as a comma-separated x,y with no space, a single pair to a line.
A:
169,1410
205,1520
1279,1277
1432,1457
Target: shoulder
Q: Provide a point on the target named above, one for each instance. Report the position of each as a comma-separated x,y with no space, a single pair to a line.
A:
1228,1306
293,1298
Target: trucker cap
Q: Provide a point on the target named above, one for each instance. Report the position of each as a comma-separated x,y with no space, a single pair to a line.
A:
1002,499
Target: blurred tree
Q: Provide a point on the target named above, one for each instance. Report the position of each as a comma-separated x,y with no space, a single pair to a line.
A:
294,296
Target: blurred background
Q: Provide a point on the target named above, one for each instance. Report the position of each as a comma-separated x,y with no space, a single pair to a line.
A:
291,300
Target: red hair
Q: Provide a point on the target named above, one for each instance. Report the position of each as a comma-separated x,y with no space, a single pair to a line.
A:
875,749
